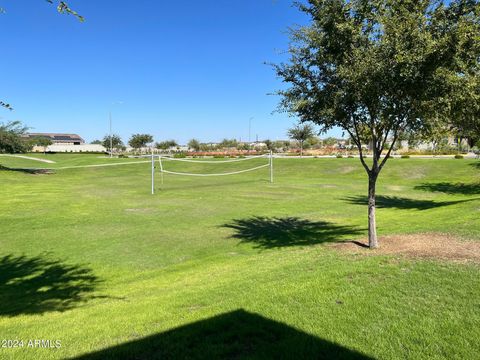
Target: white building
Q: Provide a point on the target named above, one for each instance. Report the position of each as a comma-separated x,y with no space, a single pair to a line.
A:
64,143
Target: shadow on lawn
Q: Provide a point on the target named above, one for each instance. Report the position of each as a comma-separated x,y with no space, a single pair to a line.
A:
451,188
36,285
288,231
402,203
33,171
235,335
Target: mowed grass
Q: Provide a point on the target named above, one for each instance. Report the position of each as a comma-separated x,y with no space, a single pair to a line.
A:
234,267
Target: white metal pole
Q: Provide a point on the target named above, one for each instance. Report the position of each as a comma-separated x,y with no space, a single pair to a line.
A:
271,166
111,140
153,174
161,167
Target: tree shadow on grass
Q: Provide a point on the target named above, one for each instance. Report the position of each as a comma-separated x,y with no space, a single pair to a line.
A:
288,231
397,202
451,188
32,171
234,335
36,285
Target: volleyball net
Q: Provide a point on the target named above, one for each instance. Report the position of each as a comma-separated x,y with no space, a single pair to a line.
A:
210,167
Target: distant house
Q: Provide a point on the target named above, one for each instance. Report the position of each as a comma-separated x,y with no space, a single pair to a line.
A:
64,143
59,139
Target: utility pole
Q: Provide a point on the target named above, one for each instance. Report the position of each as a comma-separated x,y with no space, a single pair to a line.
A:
111,134
250,129
111,140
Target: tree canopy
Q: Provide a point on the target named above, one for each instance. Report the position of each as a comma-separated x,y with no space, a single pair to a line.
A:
301,133
11,140
167,144
138,141
115,143
377,68
194,144
41,141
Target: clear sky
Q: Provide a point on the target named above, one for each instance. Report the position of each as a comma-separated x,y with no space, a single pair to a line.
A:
174,69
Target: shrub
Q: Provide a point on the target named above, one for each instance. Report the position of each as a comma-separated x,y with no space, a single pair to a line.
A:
218,156
405,156
123,156
350,156
179,156
458,156
339,156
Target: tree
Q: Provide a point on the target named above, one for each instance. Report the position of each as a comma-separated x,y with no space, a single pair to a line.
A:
464,99
228,143
11,138
96,142
464,113
165,145
374,68
283,145
301,133
329,141
313,142
43,142
270,144
194,144
116,142
138,141
62,8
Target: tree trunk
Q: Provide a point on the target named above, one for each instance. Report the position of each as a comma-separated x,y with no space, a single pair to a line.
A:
301,149
372,226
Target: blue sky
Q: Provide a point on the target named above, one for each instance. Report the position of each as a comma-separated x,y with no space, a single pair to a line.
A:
172,69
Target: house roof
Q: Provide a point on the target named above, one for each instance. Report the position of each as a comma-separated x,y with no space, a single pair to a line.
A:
57,136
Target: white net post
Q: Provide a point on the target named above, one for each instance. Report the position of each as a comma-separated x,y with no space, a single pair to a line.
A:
271,166
153,174
161,167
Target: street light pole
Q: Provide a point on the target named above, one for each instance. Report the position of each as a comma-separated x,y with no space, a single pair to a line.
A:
110,117
249,129
111,140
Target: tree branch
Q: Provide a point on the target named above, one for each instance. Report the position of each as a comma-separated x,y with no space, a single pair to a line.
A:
395,136
356,140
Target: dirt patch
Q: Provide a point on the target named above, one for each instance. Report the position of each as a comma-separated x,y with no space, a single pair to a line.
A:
346,169
429,246
139,211
327,186
395,188
415,173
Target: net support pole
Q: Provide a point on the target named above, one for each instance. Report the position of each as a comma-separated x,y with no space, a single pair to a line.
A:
161,167
271,166
153,174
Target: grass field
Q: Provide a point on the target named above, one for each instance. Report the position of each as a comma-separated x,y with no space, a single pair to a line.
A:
234,267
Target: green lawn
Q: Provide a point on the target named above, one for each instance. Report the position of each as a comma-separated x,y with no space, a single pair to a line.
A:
234,267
